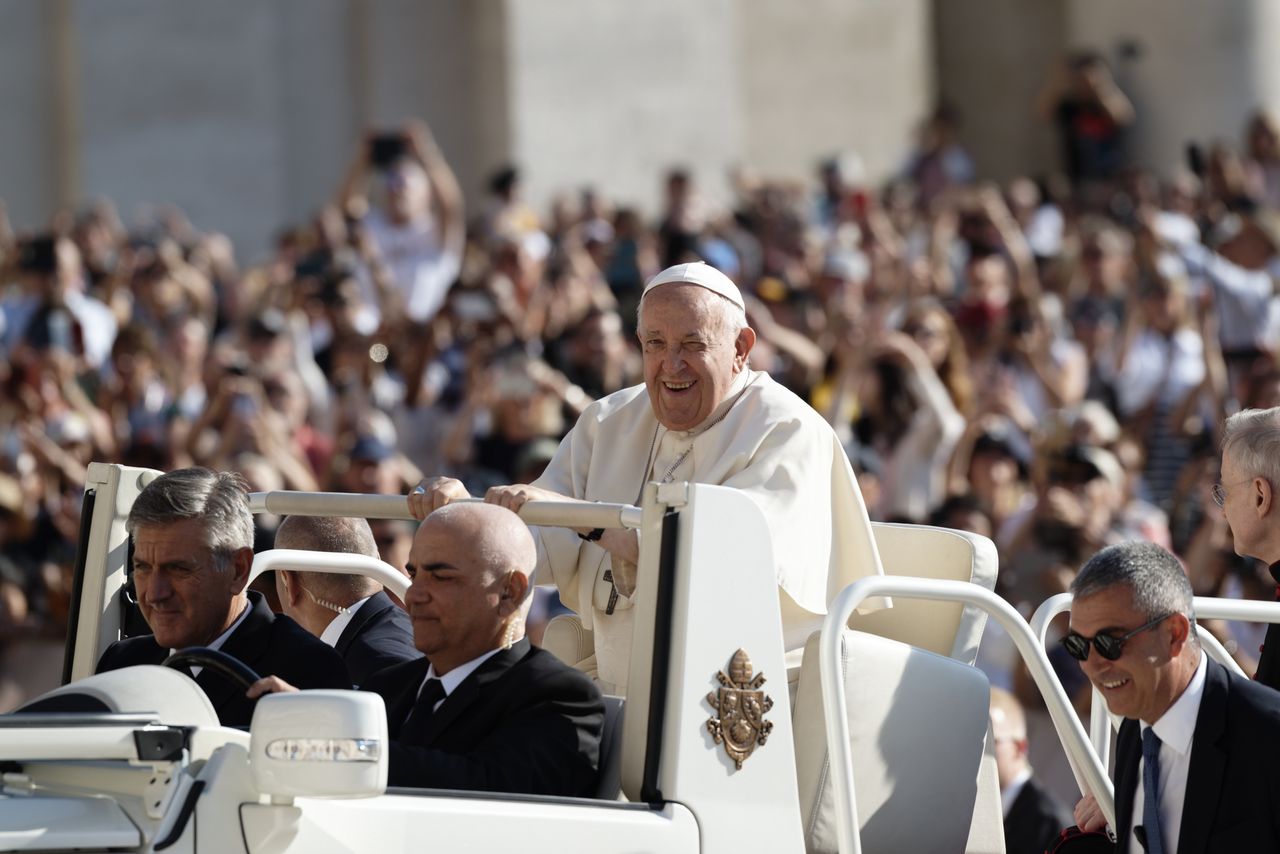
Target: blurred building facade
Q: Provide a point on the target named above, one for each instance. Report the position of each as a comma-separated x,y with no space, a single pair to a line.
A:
245,113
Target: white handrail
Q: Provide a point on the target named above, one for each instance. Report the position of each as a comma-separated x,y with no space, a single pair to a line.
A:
1049,608
1099,719
340,563
836,708
569,514
1250,610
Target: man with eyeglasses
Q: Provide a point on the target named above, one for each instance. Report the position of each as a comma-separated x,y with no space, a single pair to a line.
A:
1197,764
1247,496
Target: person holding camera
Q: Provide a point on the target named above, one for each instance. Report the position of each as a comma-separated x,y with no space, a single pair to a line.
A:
411,229
1090,113
53,312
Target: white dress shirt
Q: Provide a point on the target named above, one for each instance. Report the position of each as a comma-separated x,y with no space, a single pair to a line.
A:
1010,793
339,623
1175,729
451,680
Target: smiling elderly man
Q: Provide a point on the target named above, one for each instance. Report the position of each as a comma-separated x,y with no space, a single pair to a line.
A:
192,551
702,415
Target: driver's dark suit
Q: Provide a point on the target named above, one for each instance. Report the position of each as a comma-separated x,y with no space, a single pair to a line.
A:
269,643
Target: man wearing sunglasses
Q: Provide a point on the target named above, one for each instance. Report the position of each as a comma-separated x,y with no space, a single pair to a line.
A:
1247,495
1198,754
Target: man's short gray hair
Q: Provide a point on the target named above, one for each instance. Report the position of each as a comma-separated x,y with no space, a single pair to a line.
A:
1252,439
219,499
1153,575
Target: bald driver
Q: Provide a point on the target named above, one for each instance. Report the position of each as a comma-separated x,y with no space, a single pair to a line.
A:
483,710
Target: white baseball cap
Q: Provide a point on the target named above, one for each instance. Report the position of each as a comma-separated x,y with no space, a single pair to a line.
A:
701,274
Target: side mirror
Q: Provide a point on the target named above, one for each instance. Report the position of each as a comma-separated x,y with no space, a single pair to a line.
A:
320,744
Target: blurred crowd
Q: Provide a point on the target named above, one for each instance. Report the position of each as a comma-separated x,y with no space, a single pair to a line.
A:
1046,362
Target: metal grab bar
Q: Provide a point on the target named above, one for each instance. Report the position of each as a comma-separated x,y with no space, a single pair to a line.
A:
1049,608
568,514
1217,608
341,563
836,708
1099,717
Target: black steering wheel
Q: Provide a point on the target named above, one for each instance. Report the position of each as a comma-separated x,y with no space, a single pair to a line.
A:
228,666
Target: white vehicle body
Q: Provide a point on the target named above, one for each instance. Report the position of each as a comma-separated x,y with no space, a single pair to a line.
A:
155,771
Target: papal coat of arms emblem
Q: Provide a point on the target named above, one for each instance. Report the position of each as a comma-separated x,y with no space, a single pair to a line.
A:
741,707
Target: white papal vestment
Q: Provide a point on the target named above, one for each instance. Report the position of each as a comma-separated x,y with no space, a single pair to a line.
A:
763,440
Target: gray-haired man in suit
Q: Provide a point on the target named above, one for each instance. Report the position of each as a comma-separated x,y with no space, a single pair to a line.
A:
1198,755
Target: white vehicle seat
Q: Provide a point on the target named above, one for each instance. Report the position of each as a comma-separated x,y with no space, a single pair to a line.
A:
610,781
916,760
922,551
571,642
174,697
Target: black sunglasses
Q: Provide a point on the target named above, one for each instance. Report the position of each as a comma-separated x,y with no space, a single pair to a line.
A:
1109,647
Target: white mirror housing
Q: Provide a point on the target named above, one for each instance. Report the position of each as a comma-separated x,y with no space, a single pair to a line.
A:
320,744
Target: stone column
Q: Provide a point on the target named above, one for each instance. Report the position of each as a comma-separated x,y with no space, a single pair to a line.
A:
993,56
1195,71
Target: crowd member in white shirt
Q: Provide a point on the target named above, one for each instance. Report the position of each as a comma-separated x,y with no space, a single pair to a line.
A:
351,613
1241,272
908,418
1197,764
1161,361
52,310
702,415
414,227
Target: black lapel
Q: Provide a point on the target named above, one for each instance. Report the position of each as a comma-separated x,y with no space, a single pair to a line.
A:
1128,754
473,688
1208,762
1268,672
377,603
248,643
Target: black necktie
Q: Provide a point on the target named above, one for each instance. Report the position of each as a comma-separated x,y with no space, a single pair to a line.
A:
1151,791
415,725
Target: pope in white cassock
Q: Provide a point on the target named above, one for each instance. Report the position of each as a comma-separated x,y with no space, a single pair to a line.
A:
702,415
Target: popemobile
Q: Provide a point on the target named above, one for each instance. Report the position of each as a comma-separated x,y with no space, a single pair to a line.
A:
876,739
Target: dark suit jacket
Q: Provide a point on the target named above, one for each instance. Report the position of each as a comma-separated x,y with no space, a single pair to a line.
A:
522,722
1268,672
271,644
1035,820
1233,783
379,635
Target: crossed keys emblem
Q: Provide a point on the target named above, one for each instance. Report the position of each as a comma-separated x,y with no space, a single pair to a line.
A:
741,707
